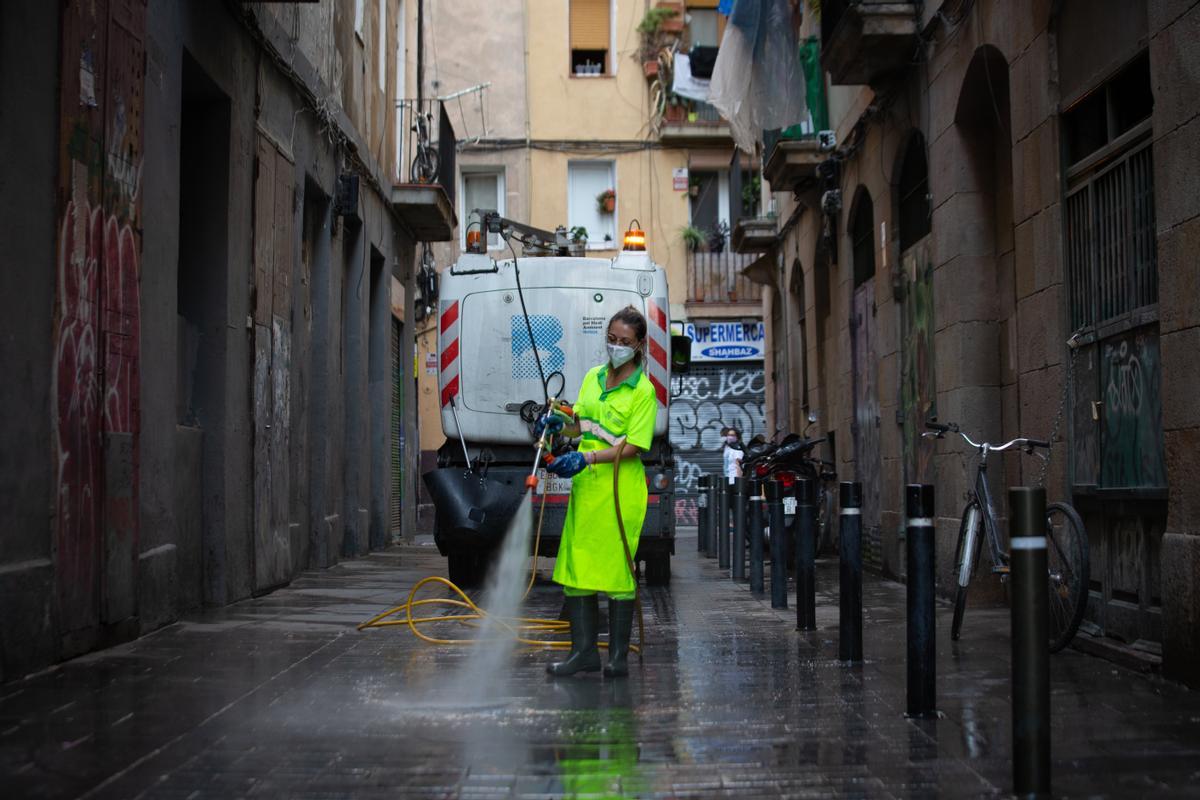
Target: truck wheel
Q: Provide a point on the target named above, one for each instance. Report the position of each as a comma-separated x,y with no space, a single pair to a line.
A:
466,569
658,570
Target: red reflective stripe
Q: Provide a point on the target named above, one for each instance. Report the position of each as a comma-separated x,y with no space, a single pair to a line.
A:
658,390
551,499
658,353
449,390
450,316
657,316
449,354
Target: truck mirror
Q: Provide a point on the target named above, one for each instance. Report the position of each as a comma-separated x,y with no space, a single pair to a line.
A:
681,354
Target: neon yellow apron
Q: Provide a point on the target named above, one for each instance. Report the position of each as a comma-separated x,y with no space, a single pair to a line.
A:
590,556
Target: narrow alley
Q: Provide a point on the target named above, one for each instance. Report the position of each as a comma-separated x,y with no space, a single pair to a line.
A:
281,697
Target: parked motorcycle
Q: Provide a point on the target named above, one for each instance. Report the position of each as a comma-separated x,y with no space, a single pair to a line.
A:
788,461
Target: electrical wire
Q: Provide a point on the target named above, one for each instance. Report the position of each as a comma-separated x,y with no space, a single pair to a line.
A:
528,326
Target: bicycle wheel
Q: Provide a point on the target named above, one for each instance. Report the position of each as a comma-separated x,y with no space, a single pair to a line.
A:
1067,557
966,558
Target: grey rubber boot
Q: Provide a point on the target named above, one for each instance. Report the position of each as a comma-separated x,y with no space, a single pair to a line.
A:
583,613
620,627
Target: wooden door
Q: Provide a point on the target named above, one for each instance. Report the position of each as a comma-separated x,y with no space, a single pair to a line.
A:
271,370
865,367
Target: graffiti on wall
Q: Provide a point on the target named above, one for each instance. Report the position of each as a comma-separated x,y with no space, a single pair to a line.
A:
917,387
701,405
1131,431
96,315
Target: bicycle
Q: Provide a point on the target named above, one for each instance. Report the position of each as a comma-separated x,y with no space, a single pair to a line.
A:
1066,543
425,165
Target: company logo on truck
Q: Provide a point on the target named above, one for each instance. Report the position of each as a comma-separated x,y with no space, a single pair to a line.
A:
547,333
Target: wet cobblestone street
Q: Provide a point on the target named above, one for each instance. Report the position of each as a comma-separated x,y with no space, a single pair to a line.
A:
281,696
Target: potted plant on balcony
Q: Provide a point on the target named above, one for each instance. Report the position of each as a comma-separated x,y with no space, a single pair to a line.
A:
606,201
659,28
676,110
717,237
693,238
578,234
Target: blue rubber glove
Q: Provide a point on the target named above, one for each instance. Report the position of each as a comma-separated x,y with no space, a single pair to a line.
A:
568,465
550,422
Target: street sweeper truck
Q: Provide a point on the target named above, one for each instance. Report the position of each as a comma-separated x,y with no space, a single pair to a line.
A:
516,336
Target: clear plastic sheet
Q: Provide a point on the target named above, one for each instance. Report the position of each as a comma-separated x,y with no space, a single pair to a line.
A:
758,82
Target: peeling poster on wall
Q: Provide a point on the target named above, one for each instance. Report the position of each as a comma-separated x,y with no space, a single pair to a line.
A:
87,79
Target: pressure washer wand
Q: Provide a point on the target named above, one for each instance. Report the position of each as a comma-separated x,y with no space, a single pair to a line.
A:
542,446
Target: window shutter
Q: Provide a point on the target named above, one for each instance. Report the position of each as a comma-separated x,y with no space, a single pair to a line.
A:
589,24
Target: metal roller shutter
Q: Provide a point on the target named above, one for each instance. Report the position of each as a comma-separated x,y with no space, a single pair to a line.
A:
589,24
712,396
397,429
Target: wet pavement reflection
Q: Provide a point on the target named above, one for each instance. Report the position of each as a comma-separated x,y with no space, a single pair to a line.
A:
282,697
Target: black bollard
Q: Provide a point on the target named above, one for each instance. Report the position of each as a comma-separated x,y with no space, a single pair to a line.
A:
723,524
754,488
850,643
714,492
1030,635
922,640
702,515
775,519
806,554
738,547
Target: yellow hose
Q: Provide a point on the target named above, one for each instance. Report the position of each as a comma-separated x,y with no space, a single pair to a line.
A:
514,625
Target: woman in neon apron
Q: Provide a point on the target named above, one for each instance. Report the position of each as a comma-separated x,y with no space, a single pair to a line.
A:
615,402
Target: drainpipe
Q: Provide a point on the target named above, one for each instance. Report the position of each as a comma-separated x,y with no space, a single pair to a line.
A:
420,53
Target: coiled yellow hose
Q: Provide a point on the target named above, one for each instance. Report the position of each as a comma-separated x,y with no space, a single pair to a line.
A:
521,628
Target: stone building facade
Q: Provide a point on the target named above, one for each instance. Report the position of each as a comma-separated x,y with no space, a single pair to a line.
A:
1006,176
203,308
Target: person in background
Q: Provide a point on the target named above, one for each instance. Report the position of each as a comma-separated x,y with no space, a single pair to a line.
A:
733,453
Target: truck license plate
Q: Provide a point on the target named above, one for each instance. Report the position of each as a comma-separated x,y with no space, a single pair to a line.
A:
789,505
552,484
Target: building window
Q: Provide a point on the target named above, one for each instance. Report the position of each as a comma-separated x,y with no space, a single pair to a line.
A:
590,36
915,208
704,26
586,180
862,242
709,203
1112,287
483,189
1109,211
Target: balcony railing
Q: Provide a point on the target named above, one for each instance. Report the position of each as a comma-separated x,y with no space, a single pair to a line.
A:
427,173
718,278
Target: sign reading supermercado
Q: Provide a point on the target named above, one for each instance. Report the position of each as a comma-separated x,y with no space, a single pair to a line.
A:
726,341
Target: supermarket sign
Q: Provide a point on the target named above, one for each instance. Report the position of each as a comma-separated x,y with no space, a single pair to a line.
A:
726,341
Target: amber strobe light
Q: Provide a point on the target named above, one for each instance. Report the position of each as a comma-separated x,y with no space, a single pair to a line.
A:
475,241
635,237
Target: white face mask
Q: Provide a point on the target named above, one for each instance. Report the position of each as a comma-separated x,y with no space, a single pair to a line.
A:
619,355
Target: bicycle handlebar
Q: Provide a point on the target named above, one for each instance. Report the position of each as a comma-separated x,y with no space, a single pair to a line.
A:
1020,441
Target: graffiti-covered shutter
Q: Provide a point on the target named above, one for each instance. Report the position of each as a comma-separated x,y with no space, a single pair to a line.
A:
708,398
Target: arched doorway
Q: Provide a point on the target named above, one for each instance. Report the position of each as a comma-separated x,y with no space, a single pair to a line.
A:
864,370
975,269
